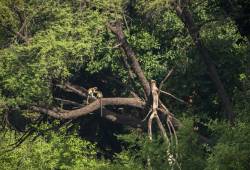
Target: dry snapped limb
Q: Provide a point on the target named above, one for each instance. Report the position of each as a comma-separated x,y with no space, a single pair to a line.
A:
167,93
68,102
164,109
170,117
83,111
170,120
154,114
147,115
68,87
165,79
174,97
117,30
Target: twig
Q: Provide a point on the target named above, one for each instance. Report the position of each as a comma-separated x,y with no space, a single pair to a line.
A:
162,129
68,102
147,115
174,132
170,131
116,46
165,108
74,89
150,127
171,95
165,79
77,89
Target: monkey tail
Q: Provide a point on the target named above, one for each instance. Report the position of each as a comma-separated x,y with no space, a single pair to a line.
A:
101,106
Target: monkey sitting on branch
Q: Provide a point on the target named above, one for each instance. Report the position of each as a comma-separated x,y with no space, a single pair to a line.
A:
94,94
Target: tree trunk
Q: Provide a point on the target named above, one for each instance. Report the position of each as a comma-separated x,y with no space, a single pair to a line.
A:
185,15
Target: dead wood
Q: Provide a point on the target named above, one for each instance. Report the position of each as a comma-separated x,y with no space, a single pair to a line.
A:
134,102
116,28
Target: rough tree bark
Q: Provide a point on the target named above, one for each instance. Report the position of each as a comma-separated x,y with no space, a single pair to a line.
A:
185,15
134,102
116,28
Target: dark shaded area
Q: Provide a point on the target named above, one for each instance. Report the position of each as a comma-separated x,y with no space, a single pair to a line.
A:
238,10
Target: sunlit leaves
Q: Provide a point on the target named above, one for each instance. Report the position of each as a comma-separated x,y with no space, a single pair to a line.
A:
54,152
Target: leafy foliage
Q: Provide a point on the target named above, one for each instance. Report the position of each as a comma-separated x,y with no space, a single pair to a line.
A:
44,44
52,152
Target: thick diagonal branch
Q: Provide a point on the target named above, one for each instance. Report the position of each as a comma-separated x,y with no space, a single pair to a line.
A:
107,114
134,102
116,28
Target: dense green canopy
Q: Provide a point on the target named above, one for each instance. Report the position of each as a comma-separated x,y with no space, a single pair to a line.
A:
53,51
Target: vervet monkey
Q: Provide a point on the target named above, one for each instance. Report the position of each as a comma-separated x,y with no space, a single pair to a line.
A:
94,94
91,94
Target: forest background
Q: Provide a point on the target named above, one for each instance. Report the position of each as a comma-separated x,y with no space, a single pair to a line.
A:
197,53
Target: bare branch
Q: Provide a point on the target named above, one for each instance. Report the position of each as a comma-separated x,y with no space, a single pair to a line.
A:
169,122
170,131
64,101
150,120
171,95
165,79
77,89
107,114
134,102
20,140
162,129
147,115
117,30
74,89
164,108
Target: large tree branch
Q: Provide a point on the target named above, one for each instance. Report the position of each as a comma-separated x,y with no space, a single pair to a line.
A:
134,102
107,114
116,28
